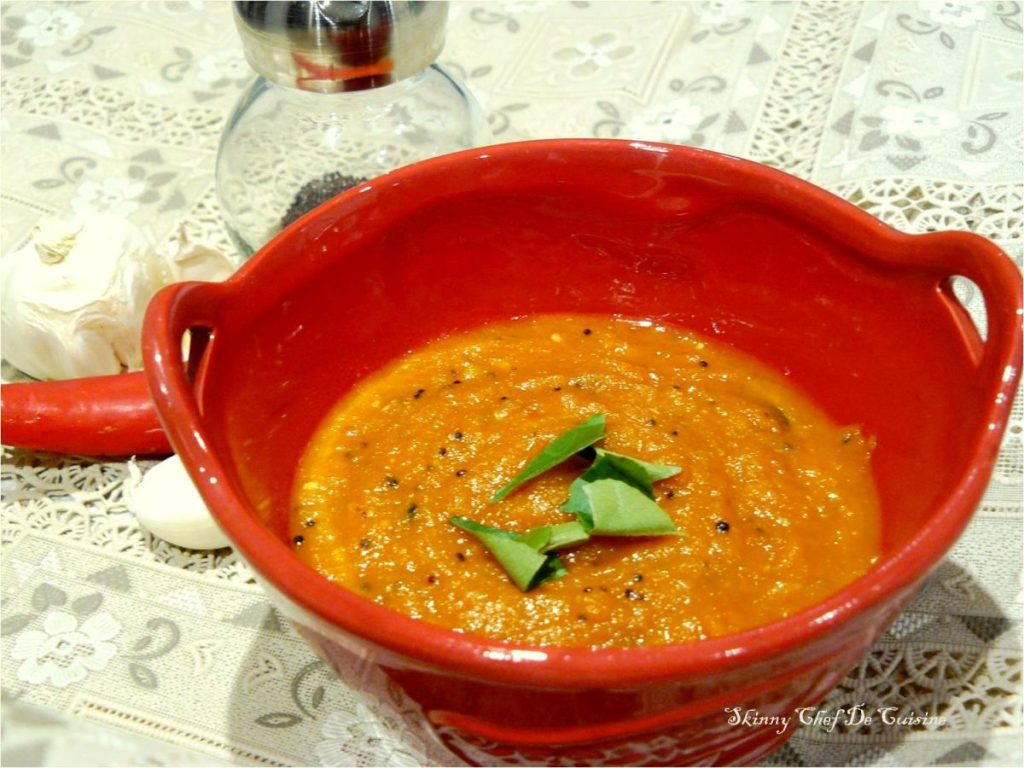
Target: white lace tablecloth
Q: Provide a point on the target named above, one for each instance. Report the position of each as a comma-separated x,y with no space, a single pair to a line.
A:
911,110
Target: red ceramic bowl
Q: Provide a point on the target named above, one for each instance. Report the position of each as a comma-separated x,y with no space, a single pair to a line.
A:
859,315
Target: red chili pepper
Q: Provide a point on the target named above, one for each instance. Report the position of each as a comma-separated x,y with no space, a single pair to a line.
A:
330,72
95,416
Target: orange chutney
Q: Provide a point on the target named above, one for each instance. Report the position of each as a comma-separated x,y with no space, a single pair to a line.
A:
775,504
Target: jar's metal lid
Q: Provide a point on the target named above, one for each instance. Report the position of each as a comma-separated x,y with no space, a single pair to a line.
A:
340,45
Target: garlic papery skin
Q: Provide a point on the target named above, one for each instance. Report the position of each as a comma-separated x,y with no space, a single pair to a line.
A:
73,300
167,504
54,238
186,260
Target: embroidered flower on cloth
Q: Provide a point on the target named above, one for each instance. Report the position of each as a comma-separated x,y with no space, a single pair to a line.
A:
358,738
64,652
587,57
45,28
227,65
721,11
954,14
117,195
674,121
917,120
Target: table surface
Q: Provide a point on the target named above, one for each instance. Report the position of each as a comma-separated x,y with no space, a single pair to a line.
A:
910,110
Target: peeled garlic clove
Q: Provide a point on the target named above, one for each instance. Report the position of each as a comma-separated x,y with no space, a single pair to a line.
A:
167,504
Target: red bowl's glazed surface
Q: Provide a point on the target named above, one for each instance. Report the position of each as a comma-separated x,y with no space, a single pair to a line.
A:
859,315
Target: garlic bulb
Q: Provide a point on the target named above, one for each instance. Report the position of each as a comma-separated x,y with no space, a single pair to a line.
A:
186,260
73,300
168,505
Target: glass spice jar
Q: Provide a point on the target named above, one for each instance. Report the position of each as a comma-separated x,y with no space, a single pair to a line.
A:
345,92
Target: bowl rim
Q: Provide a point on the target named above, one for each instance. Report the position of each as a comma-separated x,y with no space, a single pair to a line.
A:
575,668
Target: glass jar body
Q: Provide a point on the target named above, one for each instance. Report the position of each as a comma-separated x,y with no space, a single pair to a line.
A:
284,150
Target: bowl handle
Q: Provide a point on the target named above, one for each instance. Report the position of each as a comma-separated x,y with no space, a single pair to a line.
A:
181,308
981,261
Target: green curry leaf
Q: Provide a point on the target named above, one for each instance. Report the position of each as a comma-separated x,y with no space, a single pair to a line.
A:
552,569
558,450
619,509
655,472
635,472
537,538
527,567
608,465
560,536
578,504
613,497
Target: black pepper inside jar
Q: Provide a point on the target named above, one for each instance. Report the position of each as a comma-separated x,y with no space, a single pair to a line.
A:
318,191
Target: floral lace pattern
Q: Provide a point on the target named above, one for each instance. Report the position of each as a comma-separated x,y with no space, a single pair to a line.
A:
790,127
64,652
910,110
926,90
